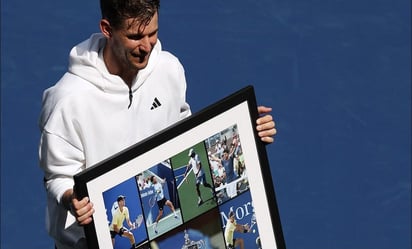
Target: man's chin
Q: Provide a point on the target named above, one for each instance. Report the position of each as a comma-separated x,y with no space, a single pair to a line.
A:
141,65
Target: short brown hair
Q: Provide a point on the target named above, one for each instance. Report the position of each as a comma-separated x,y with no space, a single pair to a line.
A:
117,11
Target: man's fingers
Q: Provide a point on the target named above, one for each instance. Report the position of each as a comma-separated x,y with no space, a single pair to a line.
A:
264,119
267,139
85,214
86,220
263,109
83,210
266,124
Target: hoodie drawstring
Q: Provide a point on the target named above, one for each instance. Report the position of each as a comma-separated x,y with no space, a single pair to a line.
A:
130,97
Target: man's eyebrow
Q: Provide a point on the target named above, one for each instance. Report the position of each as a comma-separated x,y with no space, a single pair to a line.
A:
140,34
154,31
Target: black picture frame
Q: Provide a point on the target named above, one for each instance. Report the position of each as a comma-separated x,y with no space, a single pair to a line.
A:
246,187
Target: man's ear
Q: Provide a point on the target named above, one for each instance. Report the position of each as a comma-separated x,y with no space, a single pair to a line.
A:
105,28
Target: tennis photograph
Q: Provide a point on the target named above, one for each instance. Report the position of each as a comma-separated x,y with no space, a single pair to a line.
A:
159,200
125,221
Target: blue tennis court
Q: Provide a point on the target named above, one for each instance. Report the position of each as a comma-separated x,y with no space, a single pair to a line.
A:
337,74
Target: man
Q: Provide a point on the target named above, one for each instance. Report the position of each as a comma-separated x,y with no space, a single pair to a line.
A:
216,169
227,161
141,182
231,228
108,100
120,215
161,200
195,164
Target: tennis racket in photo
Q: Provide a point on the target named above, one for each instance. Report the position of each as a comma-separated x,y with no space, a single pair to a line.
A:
138,222
252,223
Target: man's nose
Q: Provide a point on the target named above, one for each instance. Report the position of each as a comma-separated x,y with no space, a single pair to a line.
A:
145,44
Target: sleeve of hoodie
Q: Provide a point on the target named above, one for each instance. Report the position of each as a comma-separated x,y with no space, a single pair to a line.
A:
60,150
184,108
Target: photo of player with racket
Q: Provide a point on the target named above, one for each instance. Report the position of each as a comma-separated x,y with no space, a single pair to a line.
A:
121,214
160,199
231,228
196,165
138,221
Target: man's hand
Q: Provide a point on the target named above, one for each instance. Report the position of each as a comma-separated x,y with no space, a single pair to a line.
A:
265,125
133,226
82,210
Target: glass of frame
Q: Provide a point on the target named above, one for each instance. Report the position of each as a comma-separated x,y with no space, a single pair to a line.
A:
204,182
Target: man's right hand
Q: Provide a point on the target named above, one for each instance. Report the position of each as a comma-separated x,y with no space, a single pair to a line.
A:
82,210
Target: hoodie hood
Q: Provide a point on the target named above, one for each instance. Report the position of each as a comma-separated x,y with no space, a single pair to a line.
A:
86,61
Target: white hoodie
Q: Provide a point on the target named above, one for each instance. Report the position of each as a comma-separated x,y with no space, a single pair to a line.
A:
86,118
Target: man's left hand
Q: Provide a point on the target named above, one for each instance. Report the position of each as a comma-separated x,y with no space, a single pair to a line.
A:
265,125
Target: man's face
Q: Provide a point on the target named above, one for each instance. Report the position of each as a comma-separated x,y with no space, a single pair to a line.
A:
225,155
132,44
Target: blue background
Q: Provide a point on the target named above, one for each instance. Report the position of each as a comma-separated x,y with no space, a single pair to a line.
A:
337,74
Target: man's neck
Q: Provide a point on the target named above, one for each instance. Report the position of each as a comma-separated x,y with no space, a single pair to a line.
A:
113,66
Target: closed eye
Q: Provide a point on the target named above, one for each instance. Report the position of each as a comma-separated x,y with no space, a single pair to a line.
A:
137,37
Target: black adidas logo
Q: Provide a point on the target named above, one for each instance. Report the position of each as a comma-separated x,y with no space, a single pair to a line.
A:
156,103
